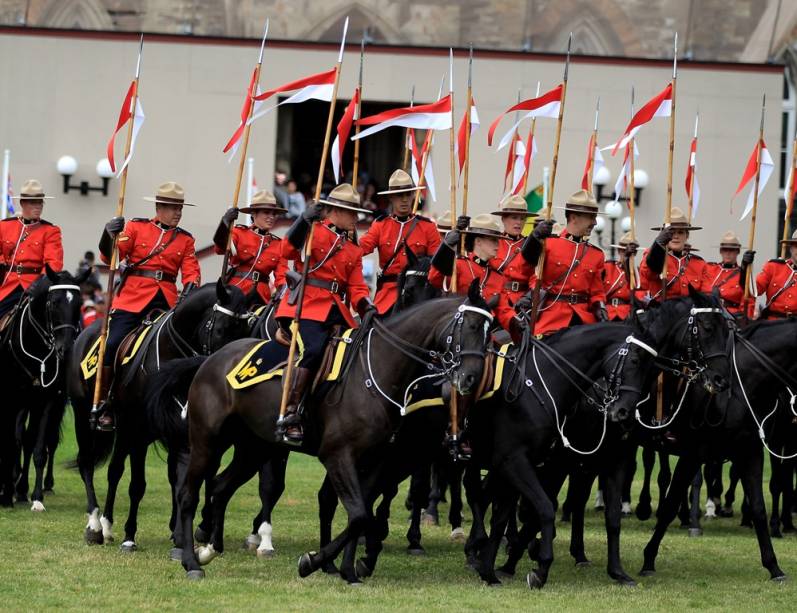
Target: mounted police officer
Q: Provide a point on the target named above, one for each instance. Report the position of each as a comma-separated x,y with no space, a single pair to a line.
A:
391,235
684,267
616,279
255,253
778,282
520,274
727,277
27,244
153,251
334,280
572,279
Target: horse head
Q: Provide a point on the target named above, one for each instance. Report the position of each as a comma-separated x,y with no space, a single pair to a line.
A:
55,305
470,337
212,316
711,332
413,282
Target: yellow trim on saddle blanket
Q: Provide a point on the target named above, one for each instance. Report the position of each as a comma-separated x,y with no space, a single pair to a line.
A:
139,340
88,366
246,373
340,353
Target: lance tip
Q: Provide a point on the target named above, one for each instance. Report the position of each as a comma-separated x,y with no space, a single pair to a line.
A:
263,42
567,59
140,52
343,40
451,70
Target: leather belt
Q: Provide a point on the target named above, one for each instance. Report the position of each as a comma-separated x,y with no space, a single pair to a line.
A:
253,276
573,298
332,286
516,286
26,270
618,301
158,275
387,279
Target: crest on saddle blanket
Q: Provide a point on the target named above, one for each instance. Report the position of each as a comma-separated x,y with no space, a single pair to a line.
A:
267,360
88,365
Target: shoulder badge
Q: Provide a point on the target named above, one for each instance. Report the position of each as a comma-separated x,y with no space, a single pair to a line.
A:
778,260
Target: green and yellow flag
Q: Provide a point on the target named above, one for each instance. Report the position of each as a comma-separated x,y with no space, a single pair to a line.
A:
534,204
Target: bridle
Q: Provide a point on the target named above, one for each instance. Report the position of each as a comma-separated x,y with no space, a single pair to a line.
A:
210,324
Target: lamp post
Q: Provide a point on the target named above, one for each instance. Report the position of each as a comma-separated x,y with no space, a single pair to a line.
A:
613,211
603,178
67,166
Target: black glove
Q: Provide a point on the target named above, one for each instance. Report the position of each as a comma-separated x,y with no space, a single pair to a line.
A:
664,237
523,303
748,257
366,306
452,238
115,226
313,212
518,326
186,290
543,229
600,312
463,221
230,215
631,249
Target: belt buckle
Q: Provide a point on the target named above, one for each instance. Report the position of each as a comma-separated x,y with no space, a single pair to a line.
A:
334,288
515,286
256,276
572,299
159,275
615,302
18,269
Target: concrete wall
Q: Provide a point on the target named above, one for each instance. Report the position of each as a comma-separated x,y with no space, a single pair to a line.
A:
61,95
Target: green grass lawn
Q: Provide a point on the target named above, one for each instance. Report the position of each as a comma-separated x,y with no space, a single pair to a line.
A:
44,563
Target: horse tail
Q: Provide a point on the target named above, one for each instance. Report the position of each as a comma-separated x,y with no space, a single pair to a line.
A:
166,401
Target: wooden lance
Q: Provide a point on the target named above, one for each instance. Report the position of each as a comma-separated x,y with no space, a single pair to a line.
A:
668,209
790,199
751,236
244,146
594,144
633,282
535,299
357,114
294,328
114,263
466,164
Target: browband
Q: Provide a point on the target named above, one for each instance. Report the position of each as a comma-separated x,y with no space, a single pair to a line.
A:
645,346
464,307
64,286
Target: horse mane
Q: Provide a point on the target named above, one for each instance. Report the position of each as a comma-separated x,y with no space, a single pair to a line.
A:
399,318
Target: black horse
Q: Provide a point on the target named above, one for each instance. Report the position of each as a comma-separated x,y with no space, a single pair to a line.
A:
733,426
204,321
39,335
447,336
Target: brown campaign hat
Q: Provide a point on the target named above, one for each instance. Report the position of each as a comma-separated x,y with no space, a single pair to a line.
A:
399,183
581,202
484,225
263,201
344,196
678,221
792,240
514,205
170,192
444,222
624,241
729,240
31,190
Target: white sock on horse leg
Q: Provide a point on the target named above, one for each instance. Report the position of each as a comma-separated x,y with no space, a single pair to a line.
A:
264,531
94,521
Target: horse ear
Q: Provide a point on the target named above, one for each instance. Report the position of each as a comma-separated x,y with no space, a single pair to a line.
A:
84,276
695,295
412,259
51,274
474,292
222,291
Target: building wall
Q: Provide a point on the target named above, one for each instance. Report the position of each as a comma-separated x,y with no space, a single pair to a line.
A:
62,94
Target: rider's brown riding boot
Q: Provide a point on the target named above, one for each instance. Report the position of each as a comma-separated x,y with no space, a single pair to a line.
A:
291,422
105,421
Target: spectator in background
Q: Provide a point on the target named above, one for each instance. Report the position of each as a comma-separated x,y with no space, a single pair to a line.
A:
280,189
92,283
296,202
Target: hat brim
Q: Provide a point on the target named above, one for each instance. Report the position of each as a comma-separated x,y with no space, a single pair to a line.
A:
679,227
624,246
789,241
502,213
166,202
483,232
344,205
569,208
23,198
400,190
729,246
266,207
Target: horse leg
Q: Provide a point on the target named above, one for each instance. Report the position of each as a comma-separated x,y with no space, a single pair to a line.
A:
49,478
116,468
504,504
613,514
377,532
787,484
419,494
664,477
327,504
775,488
668,509
180,461
200,463
643,509
135,491
578,490
93,533
455,506
205,527
474,494
630,471
40,457
694,505
431,515
271,487
26,441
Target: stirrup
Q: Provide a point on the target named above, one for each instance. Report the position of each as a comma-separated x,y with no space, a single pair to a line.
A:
281,430
456,448
95,417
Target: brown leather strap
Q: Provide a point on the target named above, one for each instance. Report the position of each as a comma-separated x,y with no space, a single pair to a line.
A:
253,276
333,286
158,275
573,298
516,286
25,270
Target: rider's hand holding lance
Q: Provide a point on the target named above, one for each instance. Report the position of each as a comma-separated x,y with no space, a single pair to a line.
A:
222,233
443,259
658,250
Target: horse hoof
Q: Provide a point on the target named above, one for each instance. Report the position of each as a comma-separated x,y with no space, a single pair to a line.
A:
647,572
504,573
201,537
780,579
495,582
176,554
534,581
48,491
306,566
330,569
128,547
643,512
252,542
457,535
775,533
195,575
625,581
362,569
206,554
416,550
37,506
6,501
694,532
93,537
354,582
430,520
583,563
265,553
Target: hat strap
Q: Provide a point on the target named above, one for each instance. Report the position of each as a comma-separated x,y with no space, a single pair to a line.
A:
167,200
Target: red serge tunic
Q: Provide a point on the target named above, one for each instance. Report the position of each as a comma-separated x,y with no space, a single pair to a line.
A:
618,292
727,279
254,255
139,239
25,248
778,281
336,260
491,282
682,271
572,279
386,235
520,275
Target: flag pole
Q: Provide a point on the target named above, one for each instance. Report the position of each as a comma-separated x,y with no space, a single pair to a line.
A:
790,199
668,210
535,299
407,153
114,263
751,236
692,177
244,146
427,151
6,171
466,164
356,165
530,145
294,328
633,281
594,143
